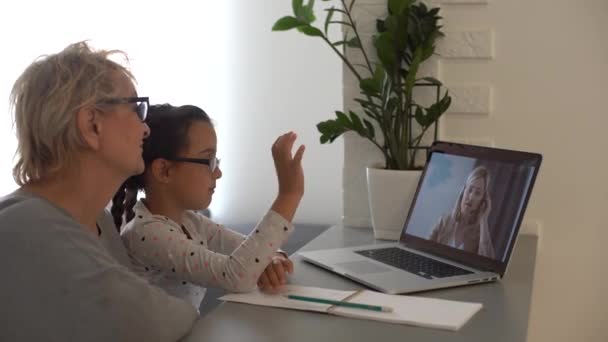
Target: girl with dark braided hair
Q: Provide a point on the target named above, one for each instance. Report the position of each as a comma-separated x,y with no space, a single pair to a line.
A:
183,251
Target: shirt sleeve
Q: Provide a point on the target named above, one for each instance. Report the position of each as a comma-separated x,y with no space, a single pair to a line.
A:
220,239
157,244
228,240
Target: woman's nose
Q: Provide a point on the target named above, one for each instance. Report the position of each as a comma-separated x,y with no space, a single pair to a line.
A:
218,173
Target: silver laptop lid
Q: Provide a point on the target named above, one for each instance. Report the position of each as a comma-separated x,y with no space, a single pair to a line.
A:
470,203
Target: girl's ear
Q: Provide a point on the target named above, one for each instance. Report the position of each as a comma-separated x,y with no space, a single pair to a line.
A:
161,170
89,126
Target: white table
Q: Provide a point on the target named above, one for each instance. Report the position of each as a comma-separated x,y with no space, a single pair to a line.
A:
504,317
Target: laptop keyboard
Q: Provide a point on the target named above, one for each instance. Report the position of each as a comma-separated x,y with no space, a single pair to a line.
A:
413,263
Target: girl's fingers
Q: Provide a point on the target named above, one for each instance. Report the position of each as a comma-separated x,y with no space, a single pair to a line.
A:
272,277
279,271
284,144
263,282
288,265
299,153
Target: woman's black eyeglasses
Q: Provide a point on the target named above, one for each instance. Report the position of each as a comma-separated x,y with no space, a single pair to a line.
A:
213,163
141,104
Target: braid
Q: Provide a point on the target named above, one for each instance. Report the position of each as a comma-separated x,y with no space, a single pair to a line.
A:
118,207
130,200
124,200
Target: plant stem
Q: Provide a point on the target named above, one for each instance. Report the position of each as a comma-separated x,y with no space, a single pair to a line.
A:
348,64
352,23
416,144
383,150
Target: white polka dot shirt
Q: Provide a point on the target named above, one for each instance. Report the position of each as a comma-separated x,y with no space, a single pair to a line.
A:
184,259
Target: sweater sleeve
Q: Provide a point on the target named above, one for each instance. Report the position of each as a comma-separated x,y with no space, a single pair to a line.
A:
70,288
158,245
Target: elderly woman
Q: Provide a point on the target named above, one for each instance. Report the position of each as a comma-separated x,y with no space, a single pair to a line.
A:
466,227
79,124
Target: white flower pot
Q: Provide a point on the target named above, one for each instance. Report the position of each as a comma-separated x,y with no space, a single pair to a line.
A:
390,194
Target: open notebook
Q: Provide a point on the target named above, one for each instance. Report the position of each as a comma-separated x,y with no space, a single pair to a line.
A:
425,312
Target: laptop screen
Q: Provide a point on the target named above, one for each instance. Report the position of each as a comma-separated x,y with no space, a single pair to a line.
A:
470,202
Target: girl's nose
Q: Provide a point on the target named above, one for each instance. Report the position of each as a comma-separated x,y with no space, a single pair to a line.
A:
146,130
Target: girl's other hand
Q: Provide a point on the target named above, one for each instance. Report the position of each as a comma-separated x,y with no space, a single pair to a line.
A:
275,274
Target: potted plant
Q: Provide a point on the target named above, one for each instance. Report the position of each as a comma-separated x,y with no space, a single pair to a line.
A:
389,116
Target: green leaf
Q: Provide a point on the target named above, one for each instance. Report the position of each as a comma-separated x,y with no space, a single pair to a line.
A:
379,75
330,14
368,104
427,52
435,111
330,130
311,31
380,26
353,43
391,24
398,6
374,115
420,117
357,125
307,13
371,132
296,6
411,75
369,86
286,23
384,49
400,32
342,119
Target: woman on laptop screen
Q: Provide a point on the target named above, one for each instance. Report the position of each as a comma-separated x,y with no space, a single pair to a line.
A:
466,226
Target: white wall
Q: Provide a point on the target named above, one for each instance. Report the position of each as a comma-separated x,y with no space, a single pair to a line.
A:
219,55
175,51
279,81
531,75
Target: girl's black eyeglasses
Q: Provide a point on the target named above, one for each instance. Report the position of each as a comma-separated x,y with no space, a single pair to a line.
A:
213,163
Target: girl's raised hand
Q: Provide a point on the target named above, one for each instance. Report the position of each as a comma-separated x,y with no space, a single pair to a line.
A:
290,175
288,166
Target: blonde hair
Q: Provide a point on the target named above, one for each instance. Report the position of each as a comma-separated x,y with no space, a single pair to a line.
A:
44,102
480,172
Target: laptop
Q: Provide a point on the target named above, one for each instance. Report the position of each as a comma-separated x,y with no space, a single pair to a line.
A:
460,229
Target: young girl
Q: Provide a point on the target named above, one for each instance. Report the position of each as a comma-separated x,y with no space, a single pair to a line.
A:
183,251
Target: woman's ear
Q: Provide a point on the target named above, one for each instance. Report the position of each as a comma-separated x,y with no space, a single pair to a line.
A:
89,126
161,170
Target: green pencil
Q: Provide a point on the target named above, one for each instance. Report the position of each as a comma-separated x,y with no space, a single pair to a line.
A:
339,303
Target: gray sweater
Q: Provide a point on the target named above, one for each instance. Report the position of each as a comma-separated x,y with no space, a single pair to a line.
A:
62,283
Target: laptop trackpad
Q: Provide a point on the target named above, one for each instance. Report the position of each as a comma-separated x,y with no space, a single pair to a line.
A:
362,267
